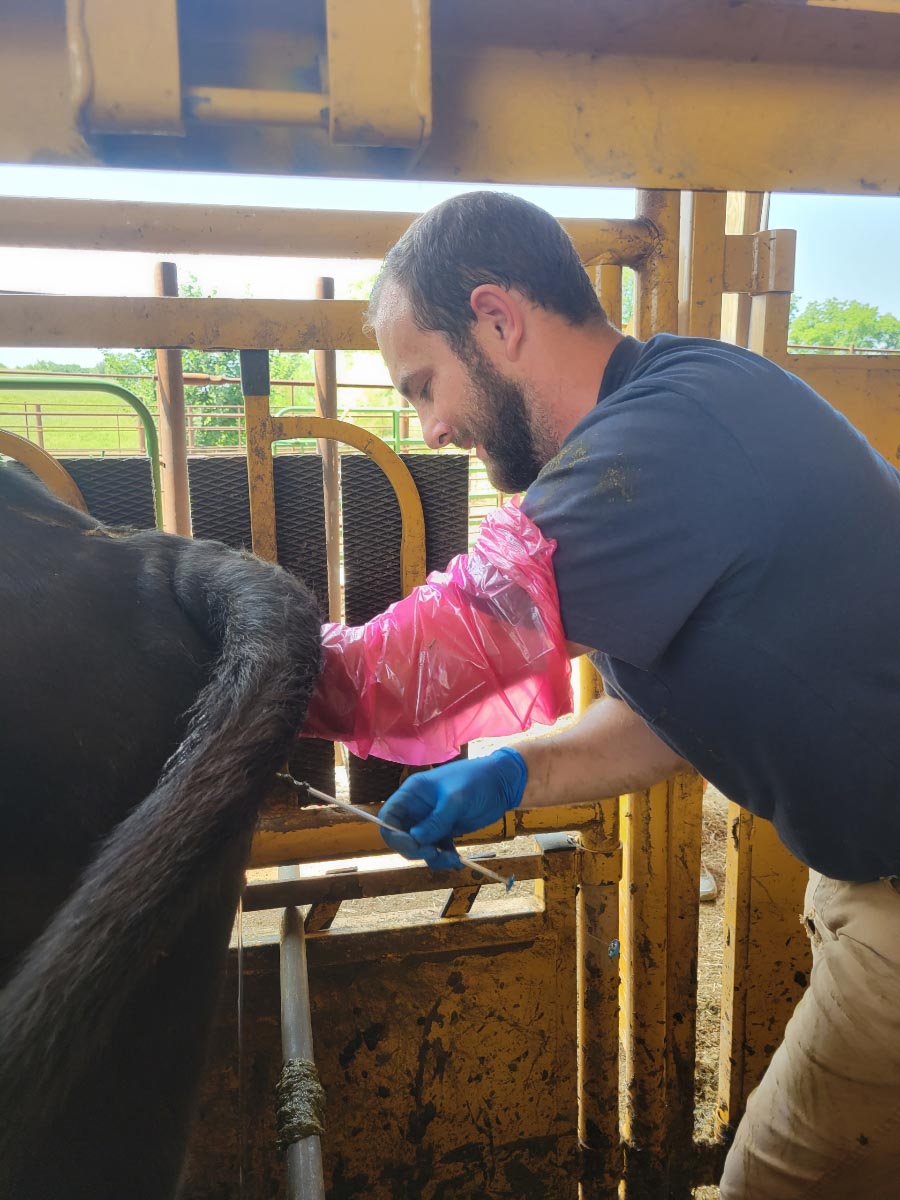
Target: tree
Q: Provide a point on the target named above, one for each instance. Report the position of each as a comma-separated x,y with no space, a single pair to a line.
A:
844,323
213,427
46,364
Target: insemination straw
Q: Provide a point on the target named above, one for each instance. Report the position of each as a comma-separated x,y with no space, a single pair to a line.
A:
324,798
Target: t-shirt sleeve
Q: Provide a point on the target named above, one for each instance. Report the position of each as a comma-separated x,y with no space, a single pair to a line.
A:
652,504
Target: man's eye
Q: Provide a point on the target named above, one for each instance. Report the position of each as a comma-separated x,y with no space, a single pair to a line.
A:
425,393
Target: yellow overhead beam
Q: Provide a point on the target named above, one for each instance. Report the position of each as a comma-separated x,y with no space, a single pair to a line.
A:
670,94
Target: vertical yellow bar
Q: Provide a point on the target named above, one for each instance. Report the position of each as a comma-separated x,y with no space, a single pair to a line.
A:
643,922
598,988
609,289
261,476
660,873
745,212
685,820
770,316
656,280
773,282
702,270
767,958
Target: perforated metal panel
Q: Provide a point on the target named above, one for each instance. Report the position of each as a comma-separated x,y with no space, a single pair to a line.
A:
220,509
371,518
117,491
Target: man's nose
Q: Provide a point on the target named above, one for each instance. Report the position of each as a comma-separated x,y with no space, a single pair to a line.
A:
436,434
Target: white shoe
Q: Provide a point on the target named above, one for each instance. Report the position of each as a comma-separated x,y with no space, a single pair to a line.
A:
708,888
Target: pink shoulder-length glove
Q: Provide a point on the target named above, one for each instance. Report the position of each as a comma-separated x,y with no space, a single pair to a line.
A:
477,650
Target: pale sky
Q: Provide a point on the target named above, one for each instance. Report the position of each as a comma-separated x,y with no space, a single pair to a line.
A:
847,247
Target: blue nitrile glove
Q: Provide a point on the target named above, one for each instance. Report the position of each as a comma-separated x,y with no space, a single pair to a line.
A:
433,807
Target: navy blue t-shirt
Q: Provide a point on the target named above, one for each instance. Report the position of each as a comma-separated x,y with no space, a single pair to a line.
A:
730,547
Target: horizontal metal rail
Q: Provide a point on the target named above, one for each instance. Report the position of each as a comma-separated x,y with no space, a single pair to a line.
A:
285,232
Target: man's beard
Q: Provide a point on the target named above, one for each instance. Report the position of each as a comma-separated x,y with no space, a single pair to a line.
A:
514,454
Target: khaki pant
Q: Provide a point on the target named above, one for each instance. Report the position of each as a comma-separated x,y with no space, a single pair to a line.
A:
825,1120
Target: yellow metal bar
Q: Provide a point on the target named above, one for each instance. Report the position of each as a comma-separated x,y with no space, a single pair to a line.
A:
767,957
45,466
255,107
184,322
880,6
684,797
285,232
773,282
642,919
659,919
702,264
412,535
609,289
656,279
533,110
263,429
598,986
288,834
745,214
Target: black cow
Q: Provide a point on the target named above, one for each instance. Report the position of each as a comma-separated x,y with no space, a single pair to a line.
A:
151,686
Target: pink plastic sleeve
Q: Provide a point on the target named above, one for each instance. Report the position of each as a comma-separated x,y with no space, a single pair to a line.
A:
477,650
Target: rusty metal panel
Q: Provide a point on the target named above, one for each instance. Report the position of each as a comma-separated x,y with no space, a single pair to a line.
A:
865,388
117,491
446,1047
767,957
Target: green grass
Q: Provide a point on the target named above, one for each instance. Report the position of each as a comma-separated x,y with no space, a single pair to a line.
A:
77,423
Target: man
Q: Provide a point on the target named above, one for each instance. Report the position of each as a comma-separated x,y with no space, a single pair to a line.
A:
729,551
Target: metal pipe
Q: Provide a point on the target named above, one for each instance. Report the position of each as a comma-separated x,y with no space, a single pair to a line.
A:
325,371
609,289
306,1179
229,106
167,229
200,323
172,424
656,280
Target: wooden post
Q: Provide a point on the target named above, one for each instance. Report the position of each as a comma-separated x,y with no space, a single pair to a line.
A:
172,424
38,424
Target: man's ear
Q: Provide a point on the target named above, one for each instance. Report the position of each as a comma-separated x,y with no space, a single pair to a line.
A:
499,319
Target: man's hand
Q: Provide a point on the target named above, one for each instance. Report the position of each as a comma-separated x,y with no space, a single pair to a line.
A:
433,807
